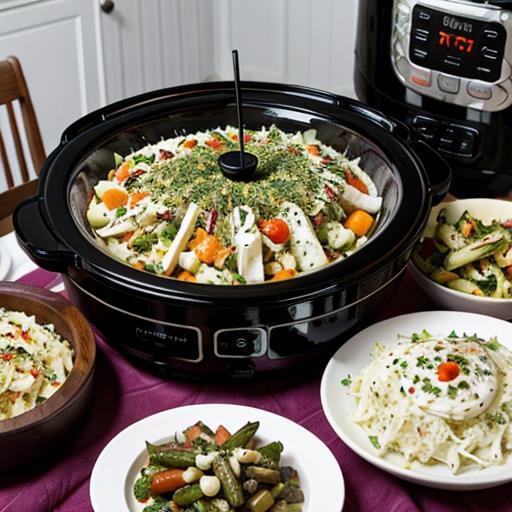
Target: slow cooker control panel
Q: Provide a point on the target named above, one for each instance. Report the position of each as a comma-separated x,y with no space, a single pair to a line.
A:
454,51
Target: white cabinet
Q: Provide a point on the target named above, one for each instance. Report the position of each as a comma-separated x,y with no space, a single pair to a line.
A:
56,44
306,42
151,44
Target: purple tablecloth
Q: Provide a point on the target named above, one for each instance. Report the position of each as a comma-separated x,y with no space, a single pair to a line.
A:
124,395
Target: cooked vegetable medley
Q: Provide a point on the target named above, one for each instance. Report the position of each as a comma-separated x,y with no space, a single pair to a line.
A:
168,208
469,256
34,362
205,471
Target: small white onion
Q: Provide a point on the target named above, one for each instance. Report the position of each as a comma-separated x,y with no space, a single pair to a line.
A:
210,485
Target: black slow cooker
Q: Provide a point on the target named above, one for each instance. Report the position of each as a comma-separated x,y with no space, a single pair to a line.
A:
197,329
444,68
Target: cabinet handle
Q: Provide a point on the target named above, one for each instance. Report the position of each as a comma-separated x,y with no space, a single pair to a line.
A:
107,6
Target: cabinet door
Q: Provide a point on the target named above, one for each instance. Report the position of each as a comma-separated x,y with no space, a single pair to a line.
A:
152,44
306,42
55,42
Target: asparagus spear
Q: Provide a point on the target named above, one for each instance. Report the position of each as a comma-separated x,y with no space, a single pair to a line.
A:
171,457
187,495
230,484
242,436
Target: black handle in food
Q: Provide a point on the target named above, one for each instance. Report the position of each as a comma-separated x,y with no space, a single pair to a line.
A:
438,170
36,239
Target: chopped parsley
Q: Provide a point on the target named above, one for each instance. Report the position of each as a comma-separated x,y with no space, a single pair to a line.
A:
347,381
463,385
452,391
422,362
375,441
493,345
453,334
422,336
121,211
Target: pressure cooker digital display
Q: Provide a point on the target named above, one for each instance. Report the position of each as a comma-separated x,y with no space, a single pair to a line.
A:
464,47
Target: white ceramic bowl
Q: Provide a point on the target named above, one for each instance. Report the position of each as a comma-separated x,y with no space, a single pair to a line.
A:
355,355
487,210
117,467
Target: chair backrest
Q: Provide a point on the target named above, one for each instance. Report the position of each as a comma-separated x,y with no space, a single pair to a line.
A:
13,87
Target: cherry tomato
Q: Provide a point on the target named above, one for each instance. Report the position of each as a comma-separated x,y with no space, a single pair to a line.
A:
276,229
446,372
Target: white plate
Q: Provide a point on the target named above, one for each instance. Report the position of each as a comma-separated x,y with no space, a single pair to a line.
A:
355,355
5,261
117,467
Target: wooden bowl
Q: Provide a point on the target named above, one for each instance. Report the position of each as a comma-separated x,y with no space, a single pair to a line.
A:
28,437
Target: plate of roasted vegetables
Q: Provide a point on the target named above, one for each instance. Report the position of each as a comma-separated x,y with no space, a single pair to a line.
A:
216,458
464,259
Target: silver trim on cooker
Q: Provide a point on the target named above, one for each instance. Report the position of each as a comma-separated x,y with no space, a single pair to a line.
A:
471,93
262,351
151,320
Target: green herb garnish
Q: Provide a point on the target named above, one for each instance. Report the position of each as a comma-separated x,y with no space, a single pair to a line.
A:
375,441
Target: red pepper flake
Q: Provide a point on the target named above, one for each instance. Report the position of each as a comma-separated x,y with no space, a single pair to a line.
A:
326,160
507,223
34,372
292,150
167,216
247,137
138,172
318,219
166,155
411,390
330,193
7,357
26,336
56,384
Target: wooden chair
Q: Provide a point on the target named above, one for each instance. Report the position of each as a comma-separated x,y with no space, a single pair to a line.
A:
13,87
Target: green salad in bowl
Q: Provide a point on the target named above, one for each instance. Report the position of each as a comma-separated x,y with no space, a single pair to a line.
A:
468,254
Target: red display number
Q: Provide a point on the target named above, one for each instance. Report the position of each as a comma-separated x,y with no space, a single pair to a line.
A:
457,42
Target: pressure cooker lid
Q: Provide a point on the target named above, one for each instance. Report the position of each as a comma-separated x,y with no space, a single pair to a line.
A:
95,146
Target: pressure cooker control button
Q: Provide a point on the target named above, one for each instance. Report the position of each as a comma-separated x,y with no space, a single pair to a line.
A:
449,84
422,78
480,91
425,127
240,343
457,140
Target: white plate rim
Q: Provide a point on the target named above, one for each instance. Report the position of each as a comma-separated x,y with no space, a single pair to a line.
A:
5,261
464,481
116,496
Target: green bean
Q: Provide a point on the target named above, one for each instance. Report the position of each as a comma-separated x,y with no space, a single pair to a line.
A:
260,502
187,495
242,436
263,475
230,484
277,490
171,457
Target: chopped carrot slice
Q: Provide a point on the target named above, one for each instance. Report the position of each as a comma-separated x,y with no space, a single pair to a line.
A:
192,434
208,248
186,276
115,198
287,273
167,481
201,235
139,265
135,197
221,435
359,222
355,182
123,173
189,144
313,149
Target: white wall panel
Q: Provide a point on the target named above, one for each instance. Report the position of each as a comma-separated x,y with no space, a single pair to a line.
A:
308,42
